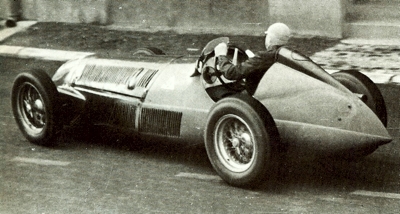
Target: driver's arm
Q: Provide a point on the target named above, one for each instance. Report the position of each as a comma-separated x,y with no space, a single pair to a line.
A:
261,61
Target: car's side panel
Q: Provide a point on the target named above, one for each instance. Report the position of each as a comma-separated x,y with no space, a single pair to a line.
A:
156,99
107,108
179,99
310,139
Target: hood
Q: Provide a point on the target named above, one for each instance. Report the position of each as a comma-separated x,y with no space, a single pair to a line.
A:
124,77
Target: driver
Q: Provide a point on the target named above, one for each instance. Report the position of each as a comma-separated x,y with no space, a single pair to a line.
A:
253,69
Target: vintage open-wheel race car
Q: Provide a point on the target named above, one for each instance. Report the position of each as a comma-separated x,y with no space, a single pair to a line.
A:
246,129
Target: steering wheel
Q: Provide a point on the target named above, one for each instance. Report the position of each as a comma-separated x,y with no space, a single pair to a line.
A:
211,72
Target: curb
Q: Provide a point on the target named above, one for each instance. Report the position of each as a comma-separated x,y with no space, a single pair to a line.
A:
34,53
21,26
361,41
43,54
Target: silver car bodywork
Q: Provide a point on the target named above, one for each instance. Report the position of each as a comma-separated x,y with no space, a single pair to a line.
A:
158,96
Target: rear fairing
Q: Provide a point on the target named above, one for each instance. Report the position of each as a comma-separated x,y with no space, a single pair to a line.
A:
317,116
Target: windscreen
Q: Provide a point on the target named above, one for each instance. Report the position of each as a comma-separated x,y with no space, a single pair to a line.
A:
213,43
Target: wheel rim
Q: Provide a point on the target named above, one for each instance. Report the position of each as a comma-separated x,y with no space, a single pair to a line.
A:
31,109
234,143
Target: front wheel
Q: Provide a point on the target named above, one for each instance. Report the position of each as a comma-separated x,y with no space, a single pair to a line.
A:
242,141
34,105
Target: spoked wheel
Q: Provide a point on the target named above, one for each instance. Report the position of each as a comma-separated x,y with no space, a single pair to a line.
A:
34,106
234,143
360,84
148,51
242,141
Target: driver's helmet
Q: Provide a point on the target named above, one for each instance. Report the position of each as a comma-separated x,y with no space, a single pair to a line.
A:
277,34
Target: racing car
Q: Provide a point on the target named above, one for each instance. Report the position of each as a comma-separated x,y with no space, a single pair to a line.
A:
246,129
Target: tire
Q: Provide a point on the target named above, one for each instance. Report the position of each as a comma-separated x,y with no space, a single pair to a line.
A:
34,105
242,141
358,83
149,51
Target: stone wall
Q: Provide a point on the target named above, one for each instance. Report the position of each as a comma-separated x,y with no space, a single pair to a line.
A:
74,11
197,16
305,17
310,17
5,9
239,16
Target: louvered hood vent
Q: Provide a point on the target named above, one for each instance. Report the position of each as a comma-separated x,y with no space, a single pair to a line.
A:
160,122
112,112
114,78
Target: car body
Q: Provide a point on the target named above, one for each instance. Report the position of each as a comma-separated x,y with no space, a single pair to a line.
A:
295,106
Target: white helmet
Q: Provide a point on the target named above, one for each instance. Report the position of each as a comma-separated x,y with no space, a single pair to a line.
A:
277,34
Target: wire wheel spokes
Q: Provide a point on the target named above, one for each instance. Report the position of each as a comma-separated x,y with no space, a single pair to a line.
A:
234,143
32,107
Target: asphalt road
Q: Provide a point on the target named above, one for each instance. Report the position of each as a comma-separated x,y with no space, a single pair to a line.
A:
110,172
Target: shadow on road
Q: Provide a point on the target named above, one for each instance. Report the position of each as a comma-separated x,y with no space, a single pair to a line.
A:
375,172
74,138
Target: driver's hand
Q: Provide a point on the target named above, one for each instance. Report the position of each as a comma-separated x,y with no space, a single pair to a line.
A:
221,49
249,53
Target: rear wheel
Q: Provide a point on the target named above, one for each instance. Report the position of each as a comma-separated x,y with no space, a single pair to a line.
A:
360,84
149,51
242,141
34,105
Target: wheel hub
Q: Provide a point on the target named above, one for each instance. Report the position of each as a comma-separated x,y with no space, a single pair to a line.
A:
32,107
38,104
234,140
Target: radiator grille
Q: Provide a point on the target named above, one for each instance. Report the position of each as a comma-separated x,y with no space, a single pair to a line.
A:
108,74
111,77
160,122
112,112
145,80
123,115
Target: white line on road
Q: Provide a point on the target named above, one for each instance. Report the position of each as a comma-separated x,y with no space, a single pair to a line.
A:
199,176
41,161
357,192
376,194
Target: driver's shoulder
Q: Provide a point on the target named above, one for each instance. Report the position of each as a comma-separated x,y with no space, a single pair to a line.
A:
270,51
266,54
